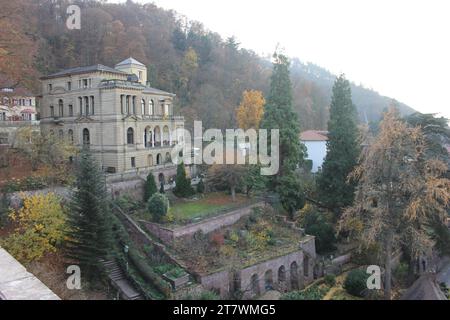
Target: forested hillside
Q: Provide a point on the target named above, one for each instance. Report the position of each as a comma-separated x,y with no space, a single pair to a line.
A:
207,73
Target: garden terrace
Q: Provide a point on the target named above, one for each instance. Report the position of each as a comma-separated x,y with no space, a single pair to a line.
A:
185,211
252,239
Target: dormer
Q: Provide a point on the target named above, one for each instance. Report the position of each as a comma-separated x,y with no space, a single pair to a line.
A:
132,66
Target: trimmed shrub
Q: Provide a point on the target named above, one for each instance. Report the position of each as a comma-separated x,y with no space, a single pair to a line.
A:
183,186
158,206
150,187
330,280
356,282
201,186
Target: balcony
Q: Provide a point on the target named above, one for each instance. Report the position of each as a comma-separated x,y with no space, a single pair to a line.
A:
115,83
162,117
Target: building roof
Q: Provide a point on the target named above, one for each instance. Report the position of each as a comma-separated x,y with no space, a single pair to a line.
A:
87,69
130,60
314,135
28,110
151,90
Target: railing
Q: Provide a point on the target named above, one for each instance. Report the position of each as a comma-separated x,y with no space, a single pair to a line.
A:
20,123
161,117
120,83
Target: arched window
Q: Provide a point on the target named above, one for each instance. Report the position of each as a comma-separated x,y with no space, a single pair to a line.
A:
268,280
168,158
61,108
166,136
150,160
151,105
61,134
143,107
86,137
281,274
306,265
130,136
254,283
159,159
294,275
70,135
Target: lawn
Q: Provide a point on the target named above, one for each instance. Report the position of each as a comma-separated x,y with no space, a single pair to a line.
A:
208,205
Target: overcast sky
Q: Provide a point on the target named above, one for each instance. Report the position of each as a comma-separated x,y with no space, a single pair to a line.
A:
400,48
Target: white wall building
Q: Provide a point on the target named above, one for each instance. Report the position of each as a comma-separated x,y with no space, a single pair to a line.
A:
316,143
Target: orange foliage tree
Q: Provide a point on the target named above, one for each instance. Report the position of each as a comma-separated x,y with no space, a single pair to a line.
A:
251,110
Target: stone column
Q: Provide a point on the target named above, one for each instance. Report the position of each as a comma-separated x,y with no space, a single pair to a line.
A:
153,138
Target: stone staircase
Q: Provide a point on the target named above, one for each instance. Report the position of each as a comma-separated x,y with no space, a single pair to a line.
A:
119,280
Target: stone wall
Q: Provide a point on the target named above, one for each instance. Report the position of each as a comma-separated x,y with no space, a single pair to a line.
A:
206,226
292,271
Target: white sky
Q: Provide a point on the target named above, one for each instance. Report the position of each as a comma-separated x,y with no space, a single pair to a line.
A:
400,48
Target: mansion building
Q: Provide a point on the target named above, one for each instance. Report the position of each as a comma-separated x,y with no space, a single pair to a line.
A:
126,124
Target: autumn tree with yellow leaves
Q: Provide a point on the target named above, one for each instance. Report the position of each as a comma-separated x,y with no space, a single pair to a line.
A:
400,193
40,227
251,110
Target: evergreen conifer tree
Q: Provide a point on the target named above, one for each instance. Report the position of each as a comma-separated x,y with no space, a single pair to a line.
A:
89,217
150,187
279,114
342,149
183,186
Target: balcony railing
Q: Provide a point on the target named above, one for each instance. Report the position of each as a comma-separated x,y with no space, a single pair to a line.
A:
161,117
19,123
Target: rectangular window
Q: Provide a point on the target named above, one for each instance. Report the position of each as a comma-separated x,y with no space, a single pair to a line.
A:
80,102
49,87
133,162
92,105
140,75
85,83
70,110
86,105
69,85
52,111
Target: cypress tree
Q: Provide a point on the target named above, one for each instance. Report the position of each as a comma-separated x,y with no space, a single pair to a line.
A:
183,186
342,149
279,114
150,187
89,217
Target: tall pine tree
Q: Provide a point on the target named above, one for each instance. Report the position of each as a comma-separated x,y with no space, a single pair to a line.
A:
342,149
280,115
89,217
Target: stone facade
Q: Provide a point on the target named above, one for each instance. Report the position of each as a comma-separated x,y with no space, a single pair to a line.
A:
128,125
292,271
